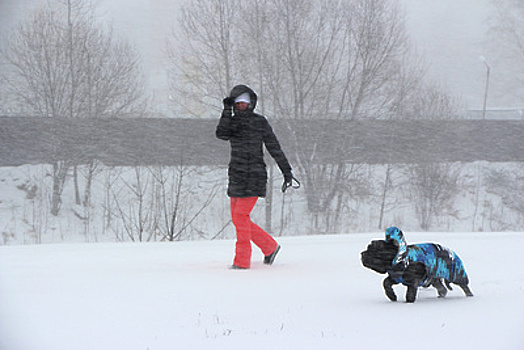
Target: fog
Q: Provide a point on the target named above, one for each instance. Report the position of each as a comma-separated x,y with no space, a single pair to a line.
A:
388,151
86,175
451,35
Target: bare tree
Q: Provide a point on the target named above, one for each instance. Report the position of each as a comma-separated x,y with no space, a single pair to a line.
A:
376,48
431,101
39,64
155,203
174,193
135,207
433,190
340,60
433,187
507,40
202,55
394,177
404,91
506,185
61,64
310,59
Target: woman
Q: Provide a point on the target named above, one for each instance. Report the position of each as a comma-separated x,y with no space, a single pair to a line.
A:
247,131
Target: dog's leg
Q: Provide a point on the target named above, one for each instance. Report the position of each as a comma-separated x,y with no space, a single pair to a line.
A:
413,276
448,284
411,294
388,288
466,290
442,291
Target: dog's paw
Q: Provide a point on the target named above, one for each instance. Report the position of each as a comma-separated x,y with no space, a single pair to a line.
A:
391,295
388,288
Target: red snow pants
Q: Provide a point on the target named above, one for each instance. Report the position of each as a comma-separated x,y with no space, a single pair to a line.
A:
248,231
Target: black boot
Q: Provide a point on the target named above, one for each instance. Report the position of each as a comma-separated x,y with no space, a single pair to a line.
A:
268,260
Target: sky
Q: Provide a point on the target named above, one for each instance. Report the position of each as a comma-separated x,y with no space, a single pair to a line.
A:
450,34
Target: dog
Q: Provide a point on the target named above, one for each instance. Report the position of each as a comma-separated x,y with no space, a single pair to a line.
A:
415,265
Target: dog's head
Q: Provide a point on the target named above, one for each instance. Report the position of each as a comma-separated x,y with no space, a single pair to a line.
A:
379,255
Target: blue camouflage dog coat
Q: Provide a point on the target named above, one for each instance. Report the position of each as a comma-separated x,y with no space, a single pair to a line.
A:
440,262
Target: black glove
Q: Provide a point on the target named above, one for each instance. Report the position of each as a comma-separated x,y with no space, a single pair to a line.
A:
288,177
288,182
229,102
228,106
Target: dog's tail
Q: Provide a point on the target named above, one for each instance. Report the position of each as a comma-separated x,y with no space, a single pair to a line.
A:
464,287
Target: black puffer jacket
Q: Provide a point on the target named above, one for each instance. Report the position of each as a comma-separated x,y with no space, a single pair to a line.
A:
247,131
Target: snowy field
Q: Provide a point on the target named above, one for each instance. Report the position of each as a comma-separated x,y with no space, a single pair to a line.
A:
317,295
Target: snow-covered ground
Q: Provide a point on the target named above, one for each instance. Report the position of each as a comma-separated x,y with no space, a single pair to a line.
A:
317,295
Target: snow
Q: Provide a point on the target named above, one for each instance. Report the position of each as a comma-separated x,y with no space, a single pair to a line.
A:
317,295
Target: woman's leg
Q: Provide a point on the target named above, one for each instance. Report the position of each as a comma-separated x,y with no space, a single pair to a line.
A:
263,240
247,231
240,214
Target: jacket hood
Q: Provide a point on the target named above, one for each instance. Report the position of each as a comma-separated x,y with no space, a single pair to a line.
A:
239,90
397,236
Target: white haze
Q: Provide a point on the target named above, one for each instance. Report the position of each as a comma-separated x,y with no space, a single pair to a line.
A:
450,34
317,295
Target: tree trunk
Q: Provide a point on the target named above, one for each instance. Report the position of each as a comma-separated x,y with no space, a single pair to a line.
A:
59,177
384,196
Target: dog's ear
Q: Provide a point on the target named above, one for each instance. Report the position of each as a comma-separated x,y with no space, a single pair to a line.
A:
376,245
390,250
